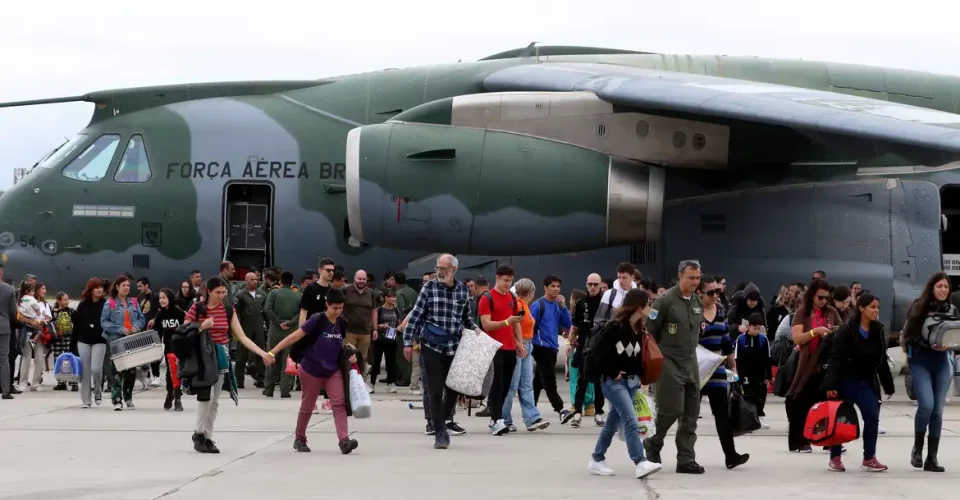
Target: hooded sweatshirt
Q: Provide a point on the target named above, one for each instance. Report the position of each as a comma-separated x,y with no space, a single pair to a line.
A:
739,312
605,311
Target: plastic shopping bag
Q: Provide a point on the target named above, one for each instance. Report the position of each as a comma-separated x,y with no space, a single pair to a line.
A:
359,397
709,362
646,414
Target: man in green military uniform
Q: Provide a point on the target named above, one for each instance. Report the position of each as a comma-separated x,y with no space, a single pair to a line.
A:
406,298
674,321
249,309
282,309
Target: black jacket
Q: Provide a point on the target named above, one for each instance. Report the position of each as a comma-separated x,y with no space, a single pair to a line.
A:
196,360
739,311
86,322
856,358
618,350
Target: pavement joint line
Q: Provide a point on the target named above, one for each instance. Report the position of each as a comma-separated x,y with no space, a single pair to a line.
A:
650,492
217,470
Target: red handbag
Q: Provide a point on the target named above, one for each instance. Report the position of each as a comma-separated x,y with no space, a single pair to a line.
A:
831,423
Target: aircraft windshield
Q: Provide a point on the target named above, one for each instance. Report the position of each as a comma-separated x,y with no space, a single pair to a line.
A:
62,151
93,163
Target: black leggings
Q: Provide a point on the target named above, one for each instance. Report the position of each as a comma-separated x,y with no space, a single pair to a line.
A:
545,377
383,349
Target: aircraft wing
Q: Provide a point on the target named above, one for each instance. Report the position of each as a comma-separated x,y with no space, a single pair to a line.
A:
731,99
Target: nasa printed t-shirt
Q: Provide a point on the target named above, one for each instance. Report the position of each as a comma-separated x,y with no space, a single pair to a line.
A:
314,298
321,358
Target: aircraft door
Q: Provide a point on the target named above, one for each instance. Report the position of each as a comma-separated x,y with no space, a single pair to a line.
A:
248,226
915,241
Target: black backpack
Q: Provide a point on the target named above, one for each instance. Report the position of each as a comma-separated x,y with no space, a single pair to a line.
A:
301,346
593,339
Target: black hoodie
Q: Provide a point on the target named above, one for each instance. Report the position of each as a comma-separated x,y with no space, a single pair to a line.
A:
166,322
739,312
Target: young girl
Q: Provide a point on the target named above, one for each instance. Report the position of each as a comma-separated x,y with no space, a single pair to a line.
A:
168,318
388,317
186,296
31,315
63,339
325,363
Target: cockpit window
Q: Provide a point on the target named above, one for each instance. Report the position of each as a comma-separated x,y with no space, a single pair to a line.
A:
93,162
134,166
65,149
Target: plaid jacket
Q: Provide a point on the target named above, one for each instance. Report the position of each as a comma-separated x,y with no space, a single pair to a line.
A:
448,308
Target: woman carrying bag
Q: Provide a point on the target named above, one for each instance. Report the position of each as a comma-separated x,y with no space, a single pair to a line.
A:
619,358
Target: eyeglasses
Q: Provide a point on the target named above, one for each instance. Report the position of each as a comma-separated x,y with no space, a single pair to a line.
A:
822,297
328,270
711,293
442,268
593,284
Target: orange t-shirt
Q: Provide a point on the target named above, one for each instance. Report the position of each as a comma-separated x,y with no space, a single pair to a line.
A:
126,319
526,324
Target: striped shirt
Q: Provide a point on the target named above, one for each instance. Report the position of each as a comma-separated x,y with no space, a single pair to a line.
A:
449,308
219,332
714,337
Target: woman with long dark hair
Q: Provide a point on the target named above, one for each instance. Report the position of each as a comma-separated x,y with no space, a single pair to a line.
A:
169,317
121,316
857,369
218,323
186,295
929,369
619,360
813,325
91,345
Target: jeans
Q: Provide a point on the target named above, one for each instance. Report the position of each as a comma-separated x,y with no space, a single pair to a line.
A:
504,365
546,377
865,397
384,349
523,381
443,400
310,387
620,394
931,375
91,366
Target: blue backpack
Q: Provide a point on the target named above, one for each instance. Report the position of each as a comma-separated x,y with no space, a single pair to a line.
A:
67,368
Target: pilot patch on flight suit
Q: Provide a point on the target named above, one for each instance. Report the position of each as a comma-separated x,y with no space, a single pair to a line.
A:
672,328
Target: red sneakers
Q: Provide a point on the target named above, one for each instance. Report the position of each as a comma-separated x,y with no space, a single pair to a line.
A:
872,465
836,465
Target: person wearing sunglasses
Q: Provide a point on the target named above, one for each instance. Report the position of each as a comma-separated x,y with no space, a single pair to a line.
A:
813,323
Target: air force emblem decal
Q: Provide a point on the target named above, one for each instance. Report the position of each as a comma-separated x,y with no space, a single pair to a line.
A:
653,314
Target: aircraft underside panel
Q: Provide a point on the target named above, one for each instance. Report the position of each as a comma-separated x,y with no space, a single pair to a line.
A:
883,233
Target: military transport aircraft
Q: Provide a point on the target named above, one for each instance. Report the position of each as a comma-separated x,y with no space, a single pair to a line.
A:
764,169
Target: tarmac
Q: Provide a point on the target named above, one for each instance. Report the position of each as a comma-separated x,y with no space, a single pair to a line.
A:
54,449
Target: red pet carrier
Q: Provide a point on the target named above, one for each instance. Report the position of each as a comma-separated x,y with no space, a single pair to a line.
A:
831,423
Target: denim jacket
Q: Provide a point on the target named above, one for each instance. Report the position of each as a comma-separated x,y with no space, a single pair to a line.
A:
111,319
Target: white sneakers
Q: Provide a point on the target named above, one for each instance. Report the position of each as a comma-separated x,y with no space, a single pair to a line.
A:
499,428
391,388
763,423
156,382
599,468
644,468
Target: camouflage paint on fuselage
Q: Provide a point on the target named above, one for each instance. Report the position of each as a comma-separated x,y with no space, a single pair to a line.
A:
310,126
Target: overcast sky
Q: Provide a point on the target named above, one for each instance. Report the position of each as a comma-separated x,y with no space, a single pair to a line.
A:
57,48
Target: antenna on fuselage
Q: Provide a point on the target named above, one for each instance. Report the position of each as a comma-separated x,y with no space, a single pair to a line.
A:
51,100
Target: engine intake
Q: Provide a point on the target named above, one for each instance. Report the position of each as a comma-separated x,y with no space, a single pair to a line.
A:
473,190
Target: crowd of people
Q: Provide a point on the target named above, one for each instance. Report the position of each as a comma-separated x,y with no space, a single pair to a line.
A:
826,341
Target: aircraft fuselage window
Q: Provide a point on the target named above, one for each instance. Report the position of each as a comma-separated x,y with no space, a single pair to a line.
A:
63,151
134,166
93,162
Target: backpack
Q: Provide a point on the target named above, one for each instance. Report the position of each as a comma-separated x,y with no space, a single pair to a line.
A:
200,311
113,303
597,328
513,303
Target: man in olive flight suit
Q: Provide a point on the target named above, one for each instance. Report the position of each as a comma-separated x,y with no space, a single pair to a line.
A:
283,311
249,308
674,321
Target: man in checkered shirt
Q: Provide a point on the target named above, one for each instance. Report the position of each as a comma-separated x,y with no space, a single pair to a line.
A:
443,309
